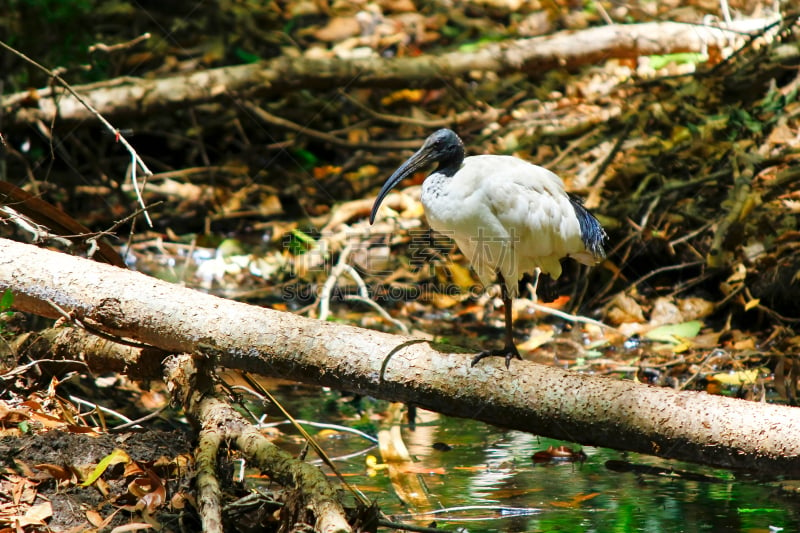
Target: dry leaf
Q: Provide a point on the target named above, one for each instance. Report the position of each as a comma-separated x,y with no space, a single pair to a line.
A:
624,309
338,29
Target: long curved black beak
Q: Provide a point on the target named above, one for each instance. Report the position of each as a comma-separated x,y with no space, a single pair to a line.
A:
422,158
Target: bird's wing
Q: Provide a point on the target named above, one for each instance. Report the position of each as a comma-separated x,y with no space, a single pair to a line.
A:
530,203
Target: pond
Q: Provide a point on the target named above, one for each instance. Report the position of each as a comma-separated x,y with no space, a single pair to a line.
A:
469,476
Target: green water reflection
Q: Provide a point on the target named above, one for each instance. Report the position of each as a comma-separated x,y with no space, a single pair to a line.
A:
492,469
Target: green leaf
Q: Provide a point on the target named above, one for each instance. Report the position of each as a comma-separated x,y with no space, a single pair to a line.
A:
659,62
451,32
304,237
7,300
307,159
743,118
115,457
300,242
247,57
673,333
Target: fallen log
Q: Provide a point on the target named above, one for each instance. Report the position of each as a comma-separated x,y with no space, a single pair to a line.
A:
130,96
592,410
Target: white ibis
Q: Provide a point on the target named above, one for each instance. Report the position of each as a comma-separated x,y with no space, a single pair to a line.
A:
506,215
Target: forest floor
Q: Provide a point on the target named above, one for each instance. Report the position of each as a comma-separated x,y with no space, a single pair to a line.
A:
687,157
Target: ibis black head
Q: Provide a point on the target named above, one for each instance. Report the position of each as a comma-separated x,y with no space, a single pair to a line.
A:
443,146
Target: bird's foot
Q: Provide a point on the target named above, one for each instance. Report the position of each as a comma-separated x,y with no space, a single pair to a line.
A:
509,352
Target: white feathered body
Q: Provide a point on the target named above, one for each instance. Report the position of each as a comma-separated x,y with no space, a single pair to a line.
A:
507,216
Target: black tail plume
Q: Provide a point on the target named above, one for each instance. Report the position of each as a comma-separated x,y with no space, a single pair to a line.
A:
592,233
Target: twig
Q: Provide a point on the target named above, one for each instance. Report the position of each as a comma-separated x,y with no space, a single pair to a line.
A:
93,242
663,269
690,235
23,368
408,527
570,147
135,159
566,316
726,12
459,118
749,42
109,48
742,203
381,311
106,410
313,424
772,313
614,149
192,173
698,371
509,511
347,456
139,420
603,13
261,114
249,501
341,268
260,420
40,233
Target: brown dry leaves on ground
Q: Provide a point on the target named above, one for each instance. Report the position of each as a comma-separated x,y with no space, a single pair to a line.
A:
75,475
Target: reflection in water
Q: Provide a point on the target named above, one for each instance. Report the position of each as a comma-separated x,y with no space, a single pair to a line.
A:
500,468
482,479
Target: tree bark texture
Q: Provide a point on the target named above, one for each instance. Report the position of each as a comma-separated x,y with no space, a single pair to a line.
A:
569,49
591,410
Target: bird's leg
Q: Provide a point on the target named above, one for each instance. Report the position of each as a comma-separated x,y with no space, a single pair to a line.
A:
510,348
537,272
509,351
